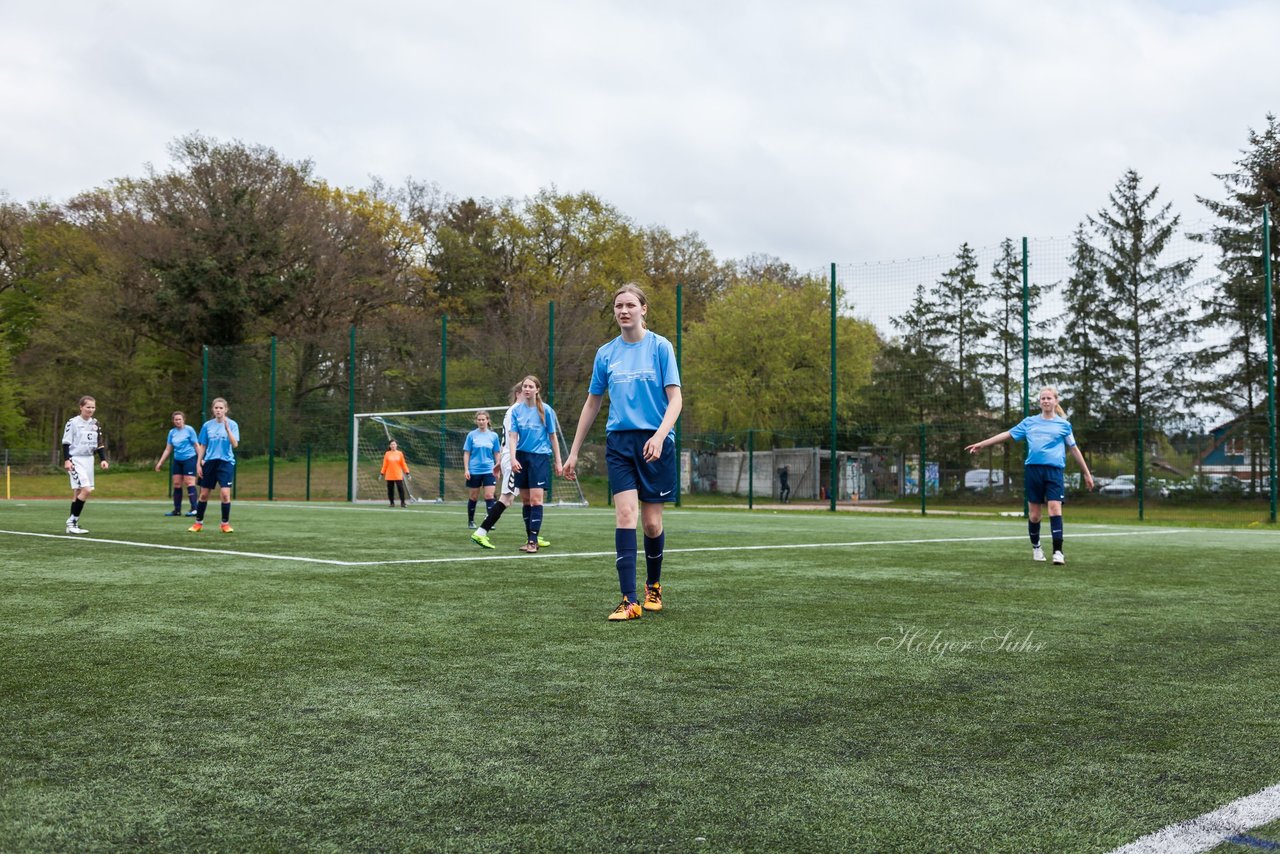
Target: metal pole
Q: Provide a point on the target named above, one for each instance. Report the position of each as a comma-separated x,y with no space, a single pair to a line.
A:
204,383
831,490
1026,355
679,337
1271,350
444,391
924,507
308,471
751,469
1141,475
551,353
351,417
271,430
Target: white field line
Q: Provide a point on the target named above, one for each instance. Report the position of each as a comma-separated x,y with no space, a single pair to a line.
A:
1212,828
549,555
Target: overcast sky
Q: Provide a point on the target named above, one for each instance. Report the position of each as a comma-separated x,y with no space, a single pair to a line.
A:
814,131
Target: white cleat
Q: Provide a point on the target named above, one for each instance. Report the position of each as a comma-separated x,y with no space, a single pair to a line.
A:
1037,554
76,529
1059,559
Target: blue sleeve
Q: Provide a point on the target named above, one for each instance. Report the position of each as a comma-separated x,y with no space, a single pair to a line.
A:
467,445
667,364
599,373
203,437
553,423
234,429
1019,431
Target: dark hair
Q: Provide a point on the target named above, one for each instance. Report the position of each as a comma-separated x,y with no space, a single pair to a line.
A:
85,399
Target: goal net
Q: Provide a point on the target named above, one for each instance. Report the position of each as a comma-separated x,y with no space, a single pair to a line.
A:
432,443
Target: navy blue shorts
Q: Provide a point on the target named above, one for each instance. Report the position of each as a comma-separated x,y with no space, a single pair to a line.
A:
185,467
655,482
218,472
1044,484
476,481
535,471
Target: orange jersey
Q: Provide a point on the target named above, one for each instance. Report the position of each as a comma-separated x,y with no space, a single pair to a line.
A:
393,465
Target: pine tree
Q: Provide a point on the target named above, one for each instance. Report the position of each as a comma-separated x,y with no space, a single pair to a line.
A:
959,325
1237,363
1144,314
1083,367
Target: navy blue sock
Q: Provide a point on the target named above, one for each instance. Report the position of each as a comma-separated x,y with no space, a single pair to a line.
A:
1033,528
653,558
488,504
201,506
1055,530
471,510
226,512
624,540
535,522
524,511
192,496
177,499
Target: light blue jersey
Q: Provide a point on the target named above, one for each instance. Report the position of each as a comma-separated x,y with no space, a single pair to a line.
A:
484,446
183,442
214,438
636,377
533,436
1047,440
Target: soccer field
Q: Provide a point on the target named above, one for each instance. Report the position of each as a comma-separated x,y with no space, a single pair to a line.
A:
336,677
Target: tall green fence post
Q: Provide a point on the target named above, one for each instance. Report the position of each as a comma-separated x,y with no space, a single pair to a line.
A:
751,469
1141,475
444,391
920,473
351,416
831,489
1026,354
551,353
308,471
1271,351
204,383
271,429
680,420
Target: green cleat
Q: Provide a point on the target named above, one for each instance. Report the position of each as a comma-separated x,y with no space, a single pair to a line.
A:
543,543
482,540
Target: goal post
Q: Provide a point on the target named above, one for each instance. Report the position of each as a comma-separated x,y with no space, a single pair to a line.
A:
432,440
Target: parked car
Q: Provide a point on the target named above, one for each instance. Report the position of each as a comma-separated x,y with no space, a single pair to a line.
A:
980,479
1124,486
1099,482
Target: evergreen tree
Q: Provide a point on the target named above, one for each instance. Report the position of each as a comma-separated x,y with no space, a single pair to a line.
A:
1082,368
1144,314
959,325
1236,359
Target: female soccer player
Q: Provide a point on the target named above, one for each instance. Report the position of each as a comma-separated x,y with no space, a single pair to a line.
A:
1048,436
480,536
638,369
181,442
532,441
216,462
394,469
81,439
479,458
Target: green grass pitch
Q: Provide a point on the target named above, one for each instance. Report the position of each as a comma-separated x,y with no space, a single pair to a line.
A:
334,677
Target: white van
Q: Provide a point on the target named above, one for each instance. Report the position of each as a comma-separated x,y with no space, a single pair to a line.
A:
979,479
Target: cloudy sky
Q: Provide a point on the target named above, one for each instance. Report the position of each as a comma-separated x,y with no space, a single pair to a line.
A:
814,131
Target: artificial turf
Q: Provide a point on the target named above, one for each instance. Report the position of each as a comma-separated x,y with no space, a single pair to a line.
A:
816,682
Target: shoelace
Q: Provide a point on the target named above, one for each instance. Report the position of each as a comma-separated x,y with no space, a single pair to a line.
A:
652,594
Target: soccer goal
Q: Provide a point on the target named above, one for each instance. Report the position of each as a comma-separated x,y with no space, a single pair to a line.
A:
432,444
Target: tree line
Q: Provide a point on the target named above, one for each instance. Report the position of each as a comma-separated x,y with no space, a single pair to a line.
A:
117,291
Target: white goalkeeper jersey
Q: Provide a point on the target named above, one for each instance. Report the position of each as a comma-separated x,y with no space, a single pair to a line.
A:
83,437
508,424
